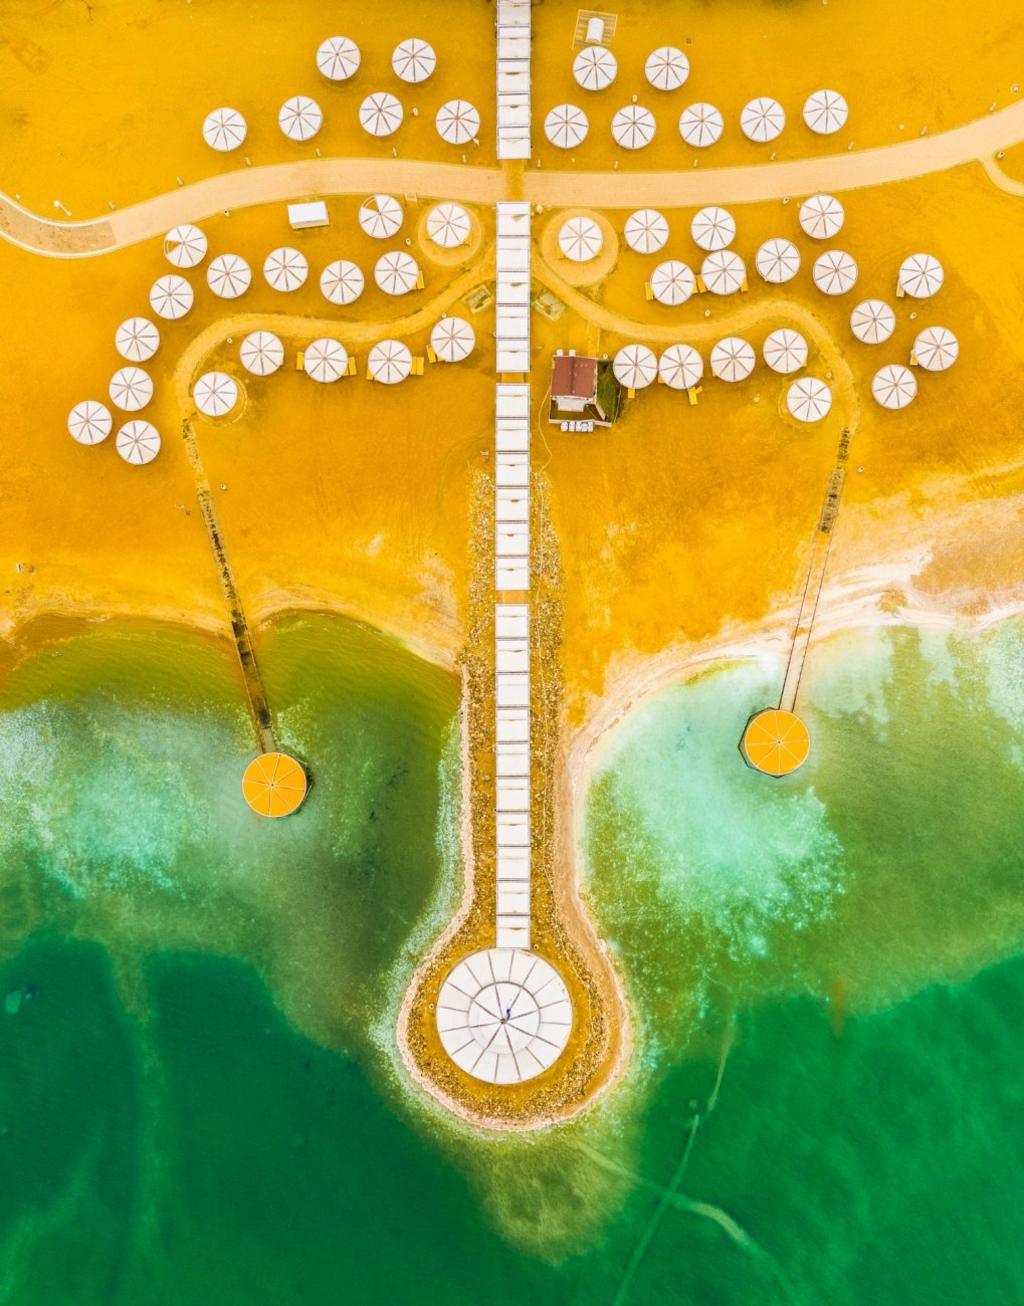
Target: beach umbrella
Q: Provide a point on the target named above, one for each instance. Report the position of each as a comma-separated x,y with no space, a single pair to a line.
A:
138,442
261,353
595,67
342,281
872,321
452,339
131,388
713,228
413,60
646,231
137,339
274,785
667,68
185,246
325,360
762,119
338,58
380,216
825,112
170,297
921,276
229,276
733,359
680,367
635,366
300,118
936,348
566,126
285,268
580,239
396,272
835,272
215,393
448,225
821,216
700,125
633,127
457,121
381,114
224,130
777,261
389,362
672,282
894,386
89,422
808,399
723,272
785,351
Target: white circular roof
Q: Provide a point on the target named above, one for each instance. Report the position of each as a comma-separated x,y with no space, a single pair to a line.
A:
777,261
808,399
672,282
723,272
380,216
504,1015
261,353
580,239
566,126
835,272
185,246
594,68
667,68
325,360
224,130
138,442
452,339
894,386
137,339
389,361
646,231
921,276
785,351
170,297
936,348
229,276
300,118
338,58
396,272
131,388
286,268
822,216
825,112
215,393
733,359
713,228
635,366
342,281
763,119
89,422
633,127
413,60
448,225
381,114
872,321
680,367
700,125
457,121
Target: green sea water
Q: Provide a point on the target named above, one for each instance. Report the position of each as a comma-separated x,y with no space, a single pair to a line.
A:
199,1096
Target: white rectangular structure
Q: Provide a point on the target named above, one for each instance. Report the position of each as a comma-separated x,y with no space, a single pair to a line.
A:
311,213
514,35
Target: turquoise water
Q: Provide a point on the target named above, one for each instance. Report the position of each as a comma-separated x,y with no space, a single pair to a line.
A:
199,1100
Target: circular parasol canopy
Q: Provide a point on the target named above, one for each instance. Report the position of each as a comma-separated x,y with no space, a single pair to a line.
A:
825,112
680,367
776,742
138,442
448,225
835,272
785,351
300,118
777,261
894,386
713,228
580,239
342,281
733,359
457,121
700,125
566,126
274,784
89,422
872,321
635,366
380,216
646,231
170,297
413,60
224,130
229,276
667,68
381,114
822,216
286,268
137,339
763,119
633,127
396,272
215,393
808,399
131,388
921,275
936,348
672,282
185,246
338,58
389,362
325,359
261,353
723,272
452,339
595,68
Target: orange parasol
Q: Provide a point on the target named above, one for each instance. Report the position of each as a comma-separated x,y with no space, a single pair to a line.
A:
274,784
776,742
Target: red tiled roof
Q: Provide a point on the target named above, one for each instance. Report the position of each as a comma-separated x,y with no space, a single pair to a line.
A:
574,376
